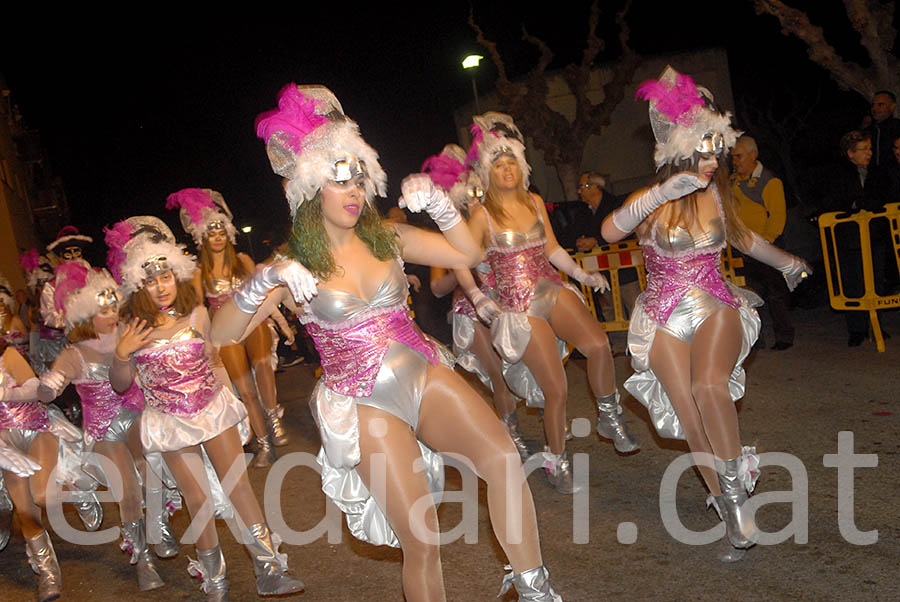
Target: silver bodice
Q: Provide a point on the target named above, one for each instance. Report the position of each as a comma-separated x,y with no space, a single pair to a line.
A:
338,306
219,286
680,239
510,238
183,334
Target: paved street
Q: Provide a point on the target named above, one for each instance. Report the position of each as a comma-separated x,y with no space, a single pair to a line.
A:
797,402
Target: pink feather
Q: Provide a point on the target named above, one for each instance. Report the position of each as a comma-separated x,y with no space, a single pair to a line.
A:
70,276
295,116
192,200
116,237
477,136
29,260
443,170
674,101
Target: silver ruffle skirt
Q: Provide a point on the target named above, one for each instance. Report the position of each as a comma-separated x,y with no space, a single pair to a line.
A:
647,389
398,390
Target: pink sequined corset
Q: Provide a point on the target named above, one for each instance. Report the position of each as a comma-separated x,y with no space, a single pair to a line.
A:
177,377
352,352
669,278
518,271
100,403
487,282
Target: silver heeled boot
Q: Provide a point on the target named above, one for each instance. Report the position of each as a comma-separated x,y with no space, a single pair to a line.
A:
559,473
276,428
270,565
89,509
134,541
167,546
739,524
611,425
511,421
728,553
532,585
210,566
42,559
265,453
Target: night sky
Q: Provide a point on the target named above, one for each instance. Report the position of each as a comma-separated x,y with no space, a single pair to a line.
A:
141,106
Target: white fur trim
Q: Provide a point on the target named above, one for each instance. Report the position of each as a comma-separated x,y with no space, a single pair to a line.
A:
140,250
682,141
490,145
81,304
81,239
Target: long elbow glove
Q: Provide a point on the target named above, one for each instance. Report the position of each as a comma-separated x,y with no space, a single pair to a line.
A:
486,308
298,279
27,391
627,217
564,262
419,193
793,268
16,462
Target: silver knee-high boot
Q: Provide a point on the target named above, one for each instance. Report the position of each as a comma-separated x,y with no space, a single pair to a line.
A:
611,425
89,509
511,421
167,546
210,566
270,565
43,562
559,473
134,541
276,428
739,524
6,514
265,453
532,585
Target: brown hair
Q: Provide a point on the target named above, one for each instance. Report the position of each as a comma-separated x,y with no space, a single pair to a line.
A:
495,208
141,305
232,267
851,139
82,331
683,211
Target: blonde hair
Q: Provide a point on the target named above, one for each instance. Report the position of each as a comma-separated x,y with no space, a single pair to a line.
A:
494,206
231,266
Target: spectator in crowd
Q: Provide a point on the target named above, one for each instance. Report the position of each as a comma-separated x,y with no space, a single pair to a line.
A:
884,128
855,187
760,198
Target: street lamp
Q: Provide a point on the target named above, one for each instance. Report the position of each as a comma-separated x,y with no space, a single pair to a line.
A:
247,230
471,62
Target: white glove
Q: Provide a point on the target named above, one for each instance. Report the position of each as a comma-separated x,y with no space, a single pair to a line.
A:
298,279
16,462
27,391
65,430
419,193
564,262
53,380
627,217
793,268
485,307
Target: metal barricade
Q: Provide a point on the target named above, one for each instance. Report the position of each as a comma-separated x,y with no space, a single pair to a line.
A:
870,301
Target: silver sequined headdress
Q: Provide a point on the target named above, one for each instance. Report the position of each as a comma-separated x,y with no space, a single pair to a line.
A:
311,142
495,135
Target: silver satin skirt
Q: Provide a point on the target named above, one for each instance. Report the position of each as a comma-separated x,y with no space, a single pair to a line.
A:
162,432
398,390
644,385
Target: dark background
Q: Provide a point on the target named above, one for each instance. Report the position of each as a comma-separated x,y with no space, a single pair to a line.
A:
131,108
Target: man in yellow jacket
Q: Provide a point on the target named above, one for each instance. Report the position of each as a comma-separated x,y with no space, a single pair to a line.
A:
760,196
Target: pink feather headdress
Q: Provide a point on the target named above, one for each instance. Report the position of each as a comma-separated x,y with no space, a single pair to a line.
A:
29,260
494,134
82,291
307,136
200,209
70,276
116,238
446,168
676,101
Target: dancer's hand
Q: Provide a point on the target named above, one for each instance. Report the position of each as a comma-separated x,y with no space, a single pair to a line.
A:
136,335
596,281
16,462
54,380
420,193
300,281
485,307
797,272
681,184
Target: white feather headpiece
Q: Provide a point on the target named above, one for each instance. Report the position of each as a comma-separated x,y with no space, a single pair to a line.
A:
137,249
684,119
494,135
311,142
202,209
82,291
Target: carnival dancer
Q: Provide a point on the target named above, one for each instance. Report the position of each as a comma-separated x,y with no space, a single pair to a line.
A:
86,298
384,392
532,306
471,339
190,409
50,441
38,270
691,330
21,465
12,329
206,217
